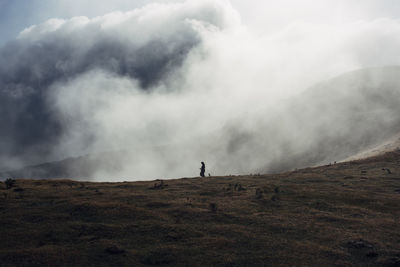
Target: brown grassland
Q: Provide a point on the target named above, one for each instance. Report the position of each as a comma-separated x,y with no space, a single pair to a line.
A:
345,214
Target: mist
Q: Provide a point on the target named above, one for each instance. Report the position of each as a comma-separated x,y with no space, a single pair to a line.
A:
150,93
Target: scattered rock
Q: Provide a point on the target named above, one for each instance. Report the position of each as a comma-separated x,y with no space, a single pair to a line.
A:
9,183
388,171
161,185
162,257
393,262
213,207
372,254
359,244
259,193
237,187
113,250
240,188
275,198
158,205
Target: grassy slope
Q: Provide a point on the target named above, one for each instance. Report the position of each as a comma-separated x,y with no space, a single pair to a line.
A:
346,214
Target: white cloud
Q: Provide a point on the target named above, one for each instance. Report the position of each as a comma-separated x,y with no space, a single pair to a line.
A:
193,79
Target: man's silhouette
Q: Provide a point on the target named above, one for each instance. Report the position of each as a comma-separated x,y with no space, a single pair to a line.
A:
202,169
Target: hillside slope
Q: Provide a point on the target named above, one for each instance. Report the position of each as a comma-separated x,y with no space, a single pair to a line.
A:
344,214
390,145
339,118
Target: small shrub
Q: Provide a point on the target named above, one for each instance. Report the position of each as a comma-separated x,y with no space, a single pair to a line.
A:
372,254
236,187
275,198
161,185
157,205
158,257
388,171
113,250
259,193
213,207
240,188
9,183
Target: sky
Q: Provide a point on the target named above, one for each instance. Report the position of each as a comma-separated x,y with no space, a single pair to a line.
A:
174,83
16,15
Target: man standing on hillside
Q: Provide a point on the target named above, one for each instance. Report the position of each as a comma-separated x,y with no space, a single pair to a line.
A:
202,169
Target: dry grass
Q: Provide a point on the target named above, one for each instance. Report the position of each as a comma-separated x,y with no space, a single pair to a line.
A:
340,215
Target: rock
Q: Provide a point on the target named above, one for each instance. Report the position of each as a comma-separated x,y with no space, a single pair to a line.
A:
161,257
372,254
358,244
114,250
393,262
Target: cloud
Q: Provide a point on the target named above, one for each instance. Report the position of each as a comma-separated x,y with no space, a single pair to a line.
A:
169,85
145,45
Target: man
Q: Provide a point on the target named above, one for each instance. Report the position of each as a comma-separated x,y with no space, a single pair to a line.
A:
202,169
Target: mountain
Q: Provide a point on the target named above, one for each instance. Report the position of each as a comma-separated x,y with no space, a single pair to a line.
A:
392,144
340,118
81,167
